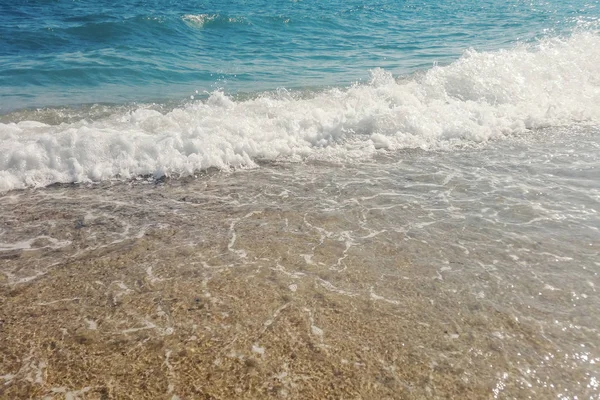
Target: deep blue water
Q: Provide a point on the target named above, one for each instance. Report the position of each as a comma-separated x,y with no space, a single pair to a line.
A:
67,52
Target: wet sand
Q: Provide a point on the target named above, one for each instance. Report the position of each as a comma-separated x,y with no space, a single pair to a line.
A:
248,286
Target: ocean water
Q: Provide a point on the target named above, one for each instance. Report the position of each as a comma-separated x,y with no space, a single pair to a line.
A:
90,92
419,182
73,52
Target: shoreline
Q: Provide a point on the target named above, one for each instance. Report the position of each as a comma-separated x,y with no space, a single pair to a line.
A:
227,286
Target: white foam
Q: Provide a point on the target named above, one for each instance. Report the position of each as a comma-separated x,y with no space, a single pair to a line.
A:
481,96
199,19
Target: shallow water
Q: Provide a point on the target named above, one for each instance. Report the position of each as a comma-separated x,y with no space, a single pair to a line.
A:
470,273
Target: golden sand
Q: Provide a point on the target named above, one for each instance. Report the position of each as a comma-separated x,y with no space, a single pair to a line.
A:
213,301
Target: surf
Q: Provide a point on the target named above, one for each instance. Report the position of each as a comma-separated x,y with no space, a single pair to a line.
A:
482,96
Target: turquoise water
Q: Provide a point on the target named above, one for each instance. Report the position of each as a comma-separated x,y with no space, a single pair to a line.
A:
79,52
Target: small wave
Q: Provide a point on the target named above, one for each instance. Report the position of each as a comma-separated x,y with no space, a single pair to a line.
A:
482,96
202,20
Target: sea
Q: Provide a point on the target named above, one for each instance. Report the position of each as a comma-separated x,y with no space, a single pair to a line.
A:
429,170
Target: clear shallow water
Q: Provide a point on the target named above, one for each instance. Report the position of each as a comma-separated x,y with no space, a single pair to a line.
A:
470,273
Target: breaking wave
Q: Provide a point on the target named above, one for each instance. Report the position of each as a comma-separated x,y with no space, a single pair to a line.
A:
481,96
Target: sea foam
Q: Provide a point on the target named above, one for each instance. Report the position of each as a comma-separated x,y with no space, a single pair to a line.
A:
481,96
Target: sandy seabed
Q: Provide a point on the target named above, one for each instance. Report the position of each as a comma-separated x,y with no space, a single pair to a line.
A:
216,288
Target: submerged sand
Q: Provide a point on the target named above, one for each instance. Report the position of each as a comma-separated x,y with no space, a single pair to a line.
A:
214,288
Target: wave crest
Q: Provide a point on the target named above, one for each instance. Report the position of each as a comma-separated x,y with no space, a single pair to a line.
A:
202,20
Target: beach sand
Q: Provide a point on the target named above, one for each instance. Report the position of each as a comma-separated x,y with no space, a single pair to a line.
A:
228,286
